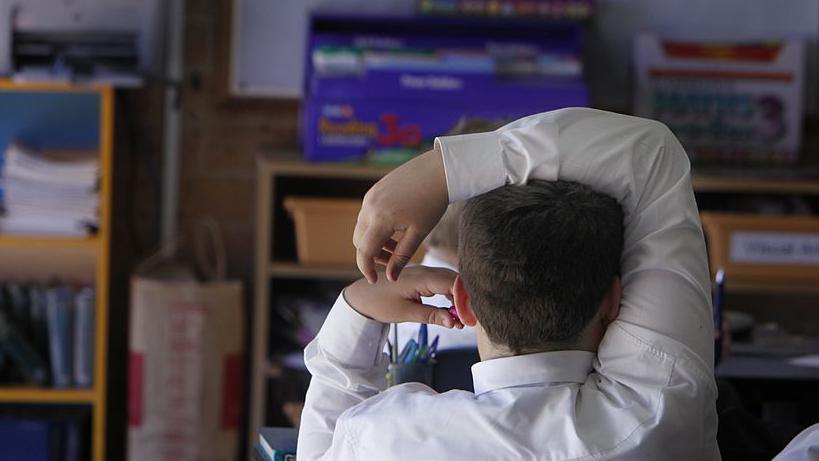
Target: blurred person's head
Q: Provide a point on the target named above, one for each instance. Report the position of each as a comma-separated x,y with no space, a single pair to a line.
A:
442,241
539,267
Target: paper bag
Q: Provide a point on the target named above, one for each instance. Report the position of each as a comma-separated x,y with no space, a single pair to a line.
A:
186,367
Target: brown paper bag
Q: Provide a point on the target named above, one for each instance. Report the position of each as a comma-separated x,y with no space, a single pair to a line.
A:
186,366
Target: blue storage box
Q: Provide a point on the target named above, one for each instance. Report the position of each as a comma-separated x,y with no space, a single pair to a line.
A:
376,85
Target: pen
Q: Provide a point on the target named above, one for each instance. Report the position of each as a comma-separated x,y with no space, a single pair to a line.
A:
433,349
395,341
405,351
413,352
422,335
422,354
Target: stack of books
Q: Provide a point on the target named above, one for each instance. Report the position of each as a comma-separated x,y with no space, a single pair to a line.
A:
48,194
46,335
35,434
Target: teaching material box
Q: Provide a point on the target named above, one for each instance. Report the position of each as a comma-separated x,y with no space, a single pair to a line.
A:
727,103
394,88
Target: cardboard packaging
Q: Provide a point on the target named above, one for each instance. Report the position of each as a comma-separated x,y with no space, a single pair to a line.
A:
729,104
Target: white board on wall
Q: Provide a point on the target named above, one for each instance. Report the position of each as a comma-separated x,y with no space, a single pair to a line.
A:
268,38
267,49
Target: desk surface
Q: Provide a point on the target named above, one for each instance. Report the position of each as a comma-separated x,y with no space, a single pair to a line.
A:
778,368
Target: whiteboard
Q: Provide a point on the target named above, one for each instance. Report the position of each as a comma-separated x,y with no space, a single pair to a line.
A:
267,47
268,38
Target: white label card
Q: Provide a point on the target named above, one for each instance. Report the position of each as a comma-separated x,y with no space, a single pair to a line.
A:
757,247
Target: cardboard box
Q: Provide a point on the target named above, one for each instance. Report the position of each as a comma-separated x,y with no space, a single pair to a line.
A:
324,229
388,86
727,103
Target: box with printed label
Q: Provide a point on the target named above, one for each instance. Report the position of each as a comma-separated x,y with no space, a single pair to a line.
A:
727,103
381,91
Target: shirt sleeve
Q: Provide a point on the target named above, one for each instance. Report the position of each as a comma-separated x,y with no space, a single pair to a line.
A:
803,447
347,366
666,288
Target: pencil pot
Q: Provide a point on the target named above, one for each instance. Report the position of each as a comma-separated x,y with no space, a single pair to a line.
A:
399,373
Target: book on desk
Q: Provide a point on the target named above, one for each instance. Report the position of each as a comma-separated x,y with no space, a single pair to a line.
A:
277,444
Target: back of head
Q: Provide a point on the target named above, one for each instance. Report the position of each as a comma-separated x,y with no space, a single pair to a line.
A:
537,260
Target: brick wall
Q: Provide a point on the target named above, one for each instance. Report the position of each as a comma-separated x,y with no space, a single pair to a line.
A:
222,136
220,139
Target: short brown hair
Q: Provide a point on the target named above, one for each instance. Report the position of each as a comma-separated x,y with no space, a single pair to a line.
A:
537,260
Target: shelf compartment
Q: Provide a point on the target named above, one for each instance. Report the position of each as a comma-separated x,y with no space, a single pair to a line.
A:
13,240
747,184
294,270
739,286
43,262
46,395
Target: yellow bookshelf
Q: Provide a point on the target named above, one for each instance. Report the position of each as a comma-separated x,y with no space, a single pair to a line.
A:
85,259
39,241
45,395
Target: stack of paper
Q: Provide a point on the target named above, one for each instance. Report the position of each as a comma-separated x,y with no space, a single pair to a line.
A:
53,194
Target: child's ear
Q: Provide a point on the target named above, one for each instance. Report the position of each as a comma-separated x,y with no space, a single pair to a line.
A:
462,305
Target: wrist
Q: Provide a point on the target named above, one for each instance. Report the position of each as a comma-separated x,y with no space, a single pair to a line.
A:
353,296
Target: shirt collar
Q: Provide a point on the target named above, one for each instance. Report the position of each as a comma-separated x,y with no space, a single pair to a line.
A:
555,367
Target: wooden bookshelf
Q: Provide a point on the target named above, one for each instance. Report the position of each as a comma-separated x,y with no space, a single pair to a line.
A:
91,242
294,270
785,182
283,173
46,395
706,182
55,256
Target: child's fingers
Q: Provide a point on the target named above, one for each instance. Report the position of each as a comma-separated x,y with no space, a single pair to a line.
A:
369,241
383,257
420,313
385,254
403,253
390,245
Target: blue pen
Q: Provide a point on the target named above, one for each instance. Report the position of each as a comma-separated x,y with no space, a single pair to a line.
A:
422,335
412,353
405,351
422,354
433,349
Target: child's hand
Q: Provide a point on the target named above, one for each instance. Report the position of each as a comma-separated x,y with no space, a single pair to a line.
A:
400,301
410,199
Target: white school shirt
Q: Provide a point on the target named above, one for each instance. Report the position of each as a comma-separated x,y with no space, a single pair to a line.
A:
803,447
648,393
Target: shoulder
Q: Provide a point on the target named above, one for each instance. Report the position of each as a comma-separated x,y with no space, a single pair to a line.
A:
584,115
594,128
414,401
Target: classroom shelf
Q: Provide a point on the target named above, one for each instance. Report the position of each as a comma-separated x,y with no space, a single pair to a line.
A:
716,181
49,106
294,270
45,395
751,287
45,241
747,184
284,173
